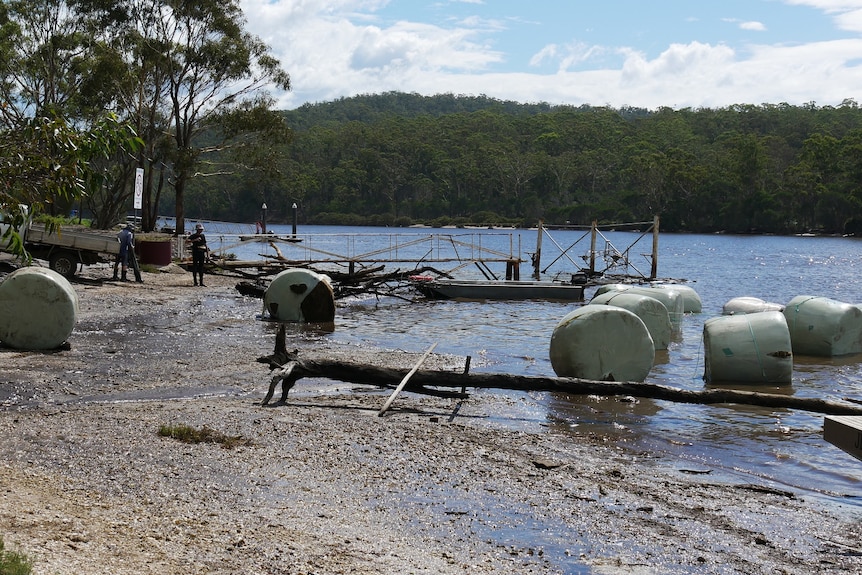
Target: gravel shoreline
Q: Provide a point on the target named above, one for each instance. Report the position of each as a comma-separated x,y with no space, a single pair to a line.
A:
322,485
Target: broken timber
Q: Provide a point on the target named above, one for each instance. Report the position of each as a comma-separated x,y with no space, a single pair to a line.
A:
291,369
405,380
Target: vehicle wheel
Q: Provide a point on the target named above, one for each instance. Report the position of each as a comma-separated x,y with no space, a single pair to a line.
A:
64,263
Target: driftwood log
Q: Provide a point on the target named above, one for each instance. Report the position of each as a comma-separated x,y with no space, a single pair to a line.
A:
289,369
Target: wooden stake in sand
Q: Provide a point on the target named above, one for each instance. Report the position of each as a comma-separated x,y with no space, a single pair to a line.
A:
405,380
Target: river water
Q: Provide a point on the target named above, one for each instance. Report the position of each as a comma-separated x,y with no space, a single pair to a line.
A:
777,446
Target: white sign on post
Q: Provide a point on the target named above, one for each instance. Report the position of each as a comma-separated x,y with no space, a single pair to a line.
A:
139,188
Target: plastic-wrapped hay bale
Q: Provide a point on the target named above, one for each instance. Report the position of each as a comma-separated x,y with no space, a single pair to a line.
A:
651,311
748,304
300,295
748,348
602,342
671,298
823,327
691,302
602,289
38,309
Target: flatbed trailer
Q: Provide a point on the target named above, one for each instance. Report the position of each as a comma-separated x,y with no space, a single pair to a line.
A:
65,248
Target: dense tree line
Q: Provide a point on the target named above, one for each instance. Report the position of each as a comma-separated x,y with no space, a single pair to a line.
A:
395,159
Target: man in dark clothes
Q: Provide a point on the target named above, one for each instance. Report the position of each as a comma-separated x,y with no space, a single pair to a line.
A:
199,253
126,237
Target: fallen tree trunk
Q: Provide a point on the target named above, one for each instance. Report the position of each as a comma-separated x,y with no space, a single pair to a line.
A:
292,369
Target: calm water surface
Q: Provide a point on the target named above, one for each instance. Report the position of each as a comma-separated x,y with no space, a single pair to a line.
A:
779,446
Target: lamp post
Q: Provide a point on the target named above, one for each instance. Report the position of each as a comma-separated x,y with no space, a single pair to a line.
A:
294,219
263,218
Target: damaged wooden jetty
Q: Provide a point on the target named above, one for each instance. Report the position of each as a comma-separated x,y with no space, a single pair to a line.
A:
289,368
436,264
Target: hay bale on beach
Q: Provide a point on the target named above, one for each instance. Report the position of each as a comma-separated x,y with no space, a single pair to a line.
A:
38,309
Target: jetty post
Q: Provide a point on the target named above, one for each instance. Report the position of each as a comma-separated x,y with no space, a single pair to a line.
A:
537,257
653,273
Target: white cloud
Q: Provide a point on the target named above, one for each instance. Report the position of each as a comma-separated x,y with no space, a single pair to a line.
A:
847,13
568,56
753,26
338,48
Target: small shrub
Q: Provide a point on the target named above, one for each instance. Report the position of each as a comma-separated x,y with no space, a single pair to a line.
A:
12,563
188,434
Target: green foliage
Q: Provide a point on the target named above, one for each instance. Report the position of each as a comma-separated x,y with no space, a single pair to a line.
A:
371,108
13,563
188,434
47,164
172,71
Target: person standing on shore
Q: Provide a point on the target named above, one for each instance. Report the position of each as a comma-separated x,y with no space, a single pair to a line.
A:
199,253
126,237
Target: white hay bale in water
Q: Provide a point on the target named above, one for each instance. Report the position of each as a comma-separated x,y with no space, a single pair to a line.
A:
823,327
691,302
651,311
38,309
606,288
671,298
748,348
748,304
300,295
602,342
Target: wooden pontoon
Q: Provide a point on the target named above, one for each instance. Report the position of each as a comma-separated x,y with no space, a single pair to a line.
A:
845,432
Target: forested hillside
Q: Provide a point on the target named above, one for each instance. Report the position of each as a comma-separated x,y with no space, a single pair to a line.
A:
397,159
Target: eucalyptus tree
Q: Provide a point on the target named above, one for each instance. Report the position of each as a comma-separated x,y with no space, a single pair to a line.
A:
217,74
43,51
44,59
50,146
193,74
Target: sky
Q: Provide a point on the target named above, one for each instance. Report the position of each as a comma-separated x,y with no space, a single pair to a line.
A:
617,53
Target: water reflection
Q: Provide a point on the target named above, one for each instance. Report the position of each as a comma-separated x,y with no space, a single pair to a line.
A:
778,444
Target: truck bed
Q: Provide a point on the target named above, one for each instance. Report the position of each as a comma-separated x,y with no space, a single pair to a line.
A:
90,240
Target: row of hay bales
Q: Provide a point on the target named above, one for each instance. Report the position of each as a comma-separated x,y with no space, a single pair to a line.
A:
754,341
614,337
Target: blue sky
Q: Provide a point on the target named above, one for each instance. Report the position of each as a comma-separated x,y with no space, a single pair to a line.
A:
643,53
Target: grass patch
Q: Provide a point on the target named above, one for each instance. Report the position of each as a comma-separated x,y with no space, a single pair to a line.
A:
188,434
12,563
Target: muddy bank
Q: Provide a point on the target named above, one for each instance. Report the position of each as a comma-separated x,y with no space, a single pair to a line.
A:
324,485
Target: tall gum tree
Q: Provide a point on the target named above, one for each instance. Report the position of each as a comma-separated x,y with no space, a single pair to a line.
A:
192,70
53,150
214,68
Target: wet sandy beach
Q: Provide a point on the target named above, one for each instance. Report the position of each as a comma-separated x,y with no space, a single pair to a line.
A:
322,484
